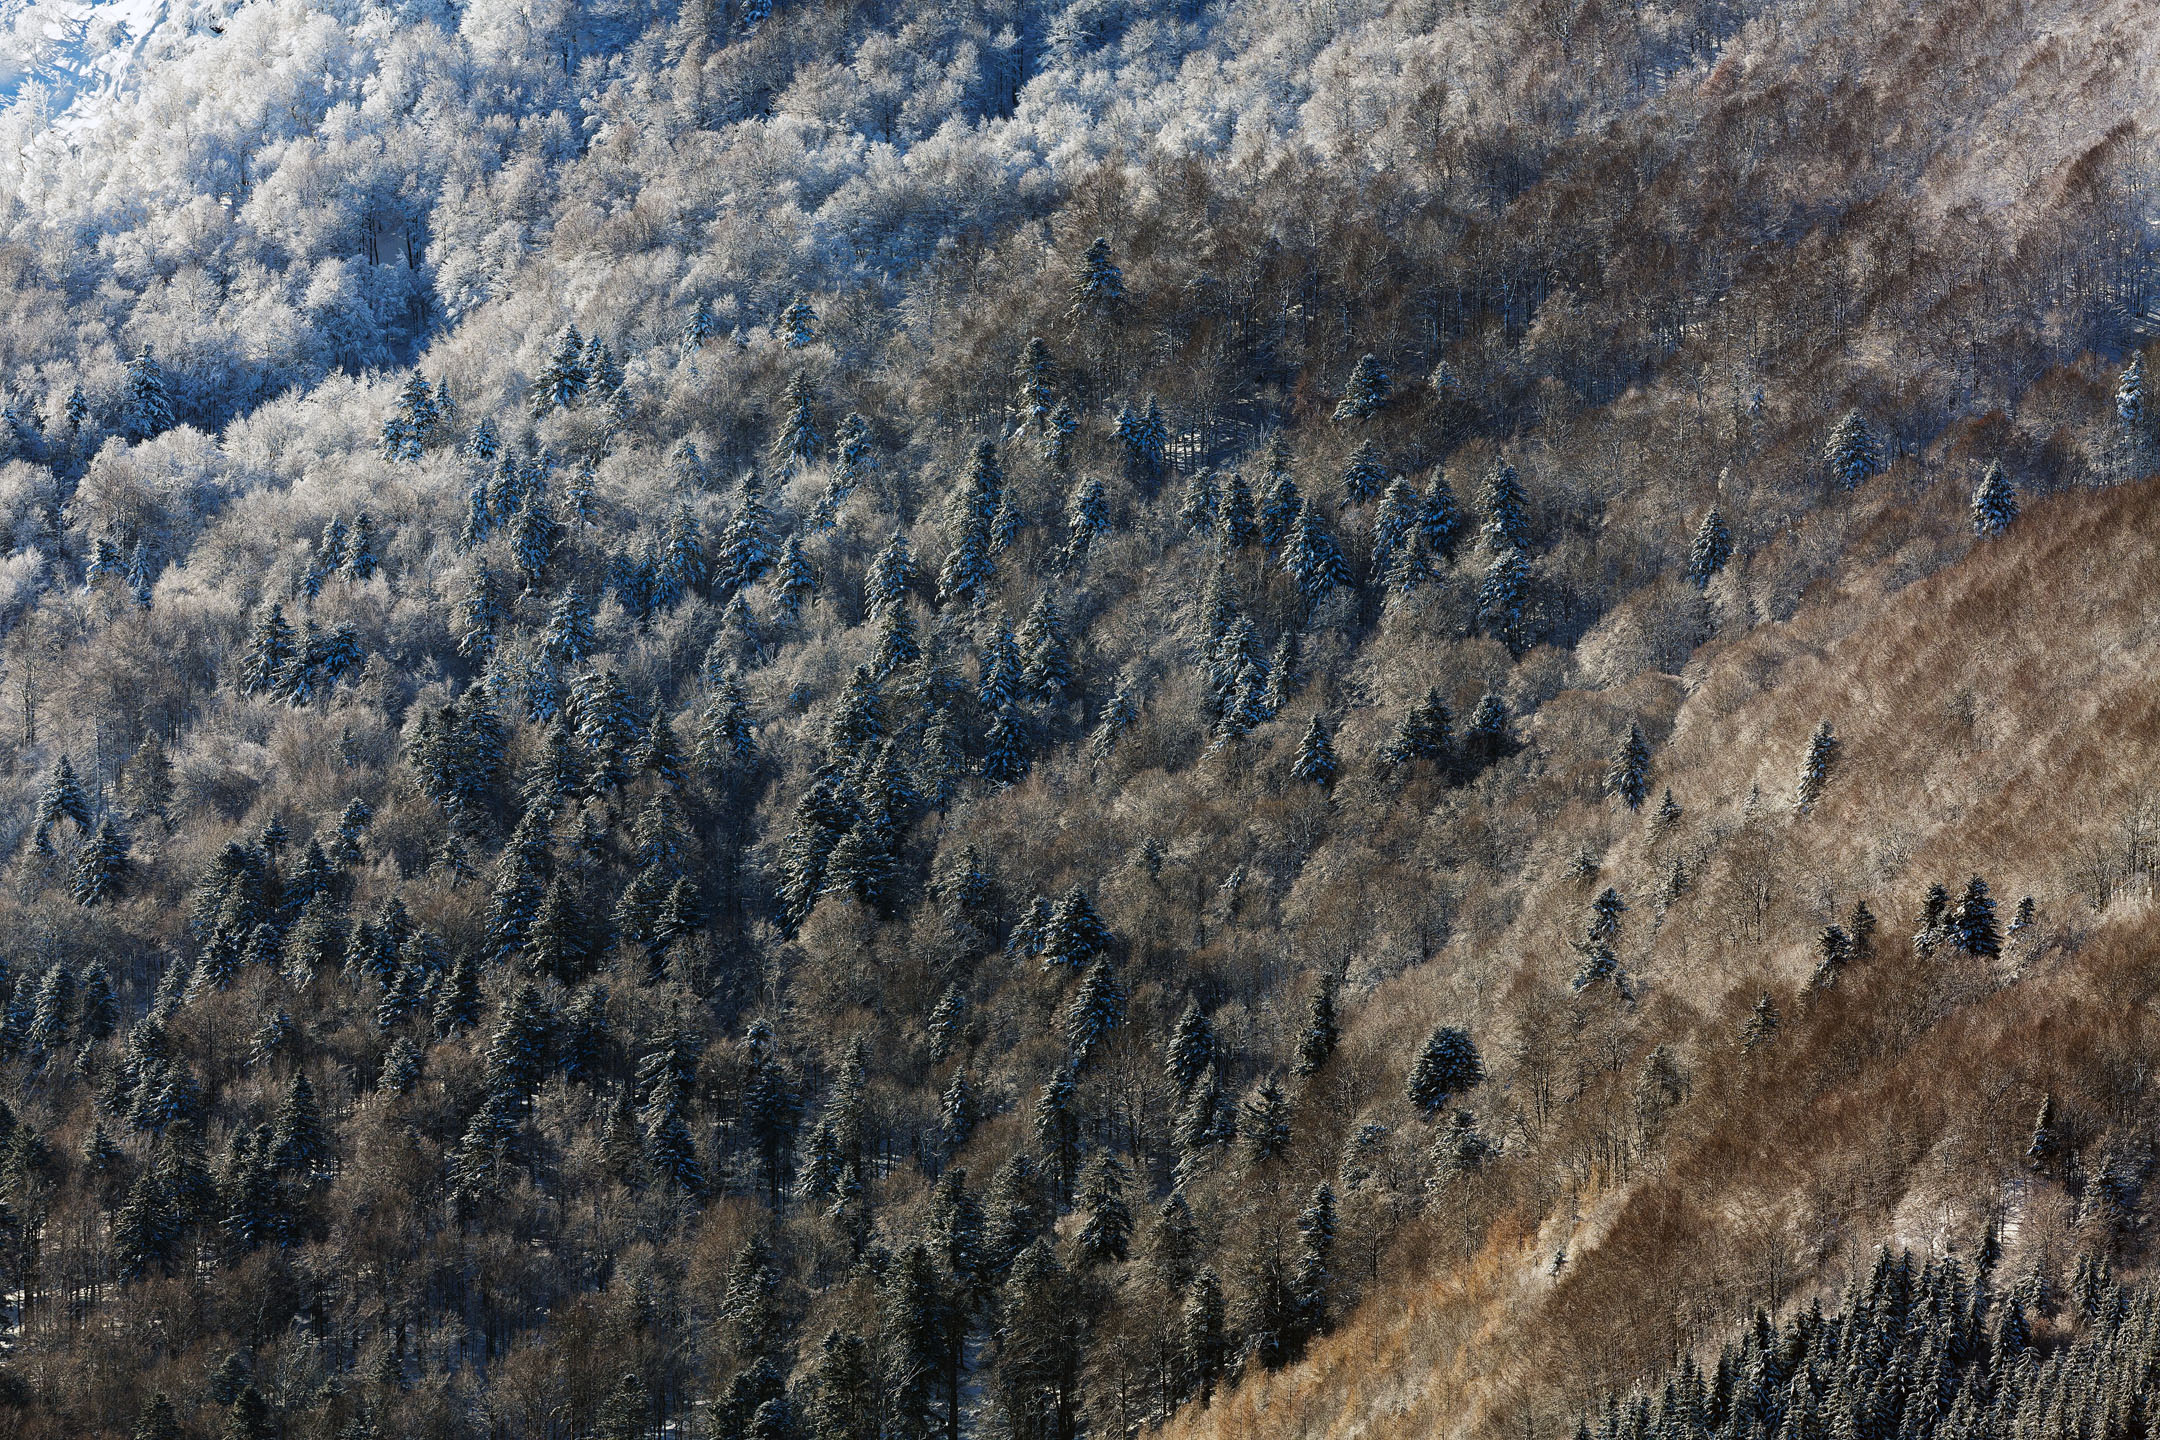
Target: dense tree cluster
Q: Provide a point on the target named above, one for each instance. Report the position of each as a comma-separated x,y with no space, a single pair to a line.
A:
720,712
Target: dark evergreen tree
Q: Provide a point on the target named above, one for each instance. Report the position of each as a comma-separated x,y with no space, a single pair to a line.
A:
1973,927
1815,767
1426,732
1315,760
1628,778
1447,1065
1366,392
1994,503
1507,521
1712,549
1322,1032
1265,1123
1364,476
1852,453
102,865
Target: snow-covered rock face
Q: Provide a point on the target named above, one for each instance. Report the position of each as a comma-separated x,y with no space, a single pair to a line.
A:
82,53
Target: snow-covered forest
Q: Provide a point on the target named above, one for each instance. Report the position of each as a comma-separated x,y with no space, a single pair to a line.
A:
835,721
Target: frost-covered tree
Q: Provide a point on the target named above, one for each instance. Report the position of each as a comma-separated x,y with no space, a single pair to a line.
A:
1627,779
798,441
1315,760
2130,395
1711,550
1034,387
1815,766
1852,453
148,409
1994,503
798,324
1096,295
1507,521
563,380
1447,1065
1366,392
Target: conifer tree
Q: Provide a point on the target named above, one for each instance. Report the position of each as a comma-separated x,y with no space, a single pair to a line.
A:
1507,522
1097,1009
1440,519
1076,935
269,651
1202,1345
1816,766
1426,732
1762,1023
1310,557
797,441
798,324
2130,395
1265,1122
1367,391
1105,1236
1034,393
1097,294
1045,651
1395,523
1191,1050
102,865
1202,499
1852,453
149,408
1447,1065
1315,760
1317,1041
1628,778
1973,926
1503,598
1364,476
1994,503
1711,550
361,557
1056,1117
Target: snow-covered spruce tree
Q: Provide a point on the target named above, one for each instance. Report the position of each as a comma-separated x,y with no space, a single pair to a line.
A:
149,409
1087,519
1366,392
563,380
1628,778
797,326
1973,927
1364,474
1447,1065
1097,293
1815,766
1034,387
2130,406
1994,503
1507,522
1097,1009
1503,599
890,576
798,441
1311,559
1315,761
1711,551
1202,500
1852,453
102,865
1395,522
1426,732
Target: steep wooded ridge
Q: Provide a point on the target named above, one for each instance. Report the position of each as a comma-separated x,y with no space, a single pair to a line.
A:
801,721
